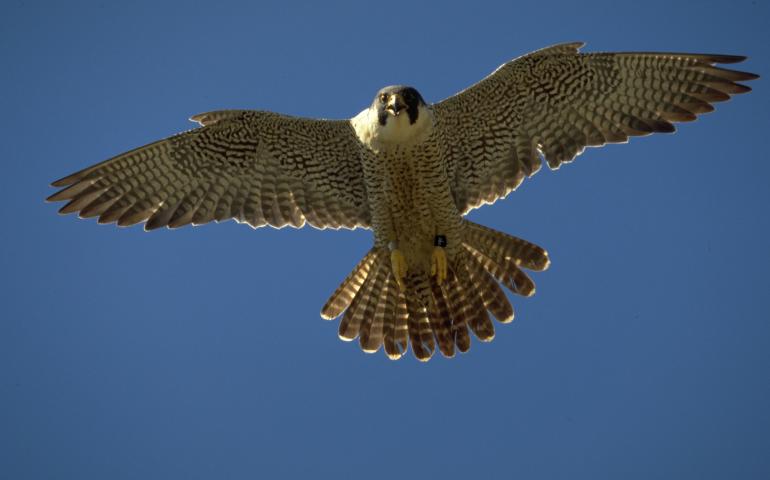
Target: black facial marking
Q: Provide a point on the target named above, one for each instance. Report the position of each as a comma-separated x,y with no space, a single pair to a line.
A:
413,100
382,115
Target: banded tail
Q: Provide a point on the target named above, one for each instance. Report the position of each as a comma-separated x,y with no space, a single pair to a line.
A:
425,314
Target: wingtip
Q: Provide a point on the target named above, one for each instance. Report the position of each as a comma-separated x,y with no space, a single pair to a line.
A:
729,58
62,182
740,88
67,209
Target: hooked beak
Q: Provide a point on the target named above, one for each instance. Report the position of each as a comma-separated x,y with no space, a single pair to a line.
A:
395,104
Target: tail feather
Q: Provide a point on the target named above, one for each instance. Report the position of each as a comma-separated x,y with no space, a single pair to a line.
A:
351,320
376,311
479,320
395,329
401,327
482,326
427,314
505,272
492,295
341,298
383,315
441,322
520,281
458,311
420,332
418,302
499,245
462,337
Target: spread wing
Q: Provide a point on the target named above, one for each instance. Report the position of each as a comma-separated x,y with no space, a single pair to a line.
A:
556,101
255,167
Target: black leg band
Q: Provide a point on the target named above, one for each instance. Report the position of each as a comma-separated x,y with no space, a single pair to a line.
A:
439,241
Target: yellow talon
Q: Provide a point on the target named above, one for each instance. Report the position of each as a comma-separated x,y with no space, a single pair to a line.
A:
438,264
398,262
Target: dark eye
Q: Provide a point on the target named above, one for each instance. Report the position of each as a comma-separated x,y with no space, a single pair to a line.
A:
384,97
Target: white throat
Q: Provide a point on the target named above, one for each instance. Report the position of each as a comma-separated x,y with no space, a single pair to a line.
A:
397,130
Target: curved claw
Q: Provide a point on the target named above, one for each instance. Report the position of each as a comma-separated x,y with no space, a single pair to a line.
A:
398,262
438,264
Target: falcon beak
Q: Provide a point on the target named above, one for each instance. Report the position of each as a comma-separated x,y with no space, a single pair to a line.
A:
395,104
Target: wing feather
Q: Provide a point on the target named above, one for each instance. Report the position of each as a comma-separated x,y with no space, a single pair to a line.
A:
255,167
556,101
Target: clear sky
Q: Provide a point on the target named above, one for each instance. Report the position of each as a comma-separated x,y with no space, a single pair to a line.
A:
199,352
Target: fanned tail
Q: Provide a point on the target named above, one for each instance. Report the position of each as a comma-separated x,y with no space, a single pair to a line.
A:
427,314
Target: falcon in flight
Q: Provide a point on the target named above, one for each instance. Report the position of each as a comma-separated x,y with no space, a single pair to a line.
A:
410,172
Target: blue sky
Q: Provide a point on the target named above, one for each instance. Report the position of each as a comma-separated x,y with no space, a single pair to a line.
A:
199,352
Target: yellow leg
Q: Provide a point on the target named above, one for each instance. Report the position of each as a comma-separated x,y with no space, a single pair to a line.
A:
398,262
438,264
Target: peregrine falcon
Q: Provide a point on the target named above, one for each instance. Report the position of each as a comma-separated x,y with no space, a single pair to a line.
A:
409,171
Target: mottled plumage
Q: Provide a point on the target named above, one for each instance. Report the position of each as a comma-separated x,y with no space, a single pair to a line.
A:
410,172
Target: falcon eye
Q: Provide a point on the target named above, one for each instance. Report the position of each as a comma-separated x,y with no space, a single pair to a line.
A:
384,97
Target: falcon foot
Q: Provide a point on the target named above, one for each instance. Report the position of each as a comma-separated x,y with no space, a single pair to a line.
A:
398,262
438,264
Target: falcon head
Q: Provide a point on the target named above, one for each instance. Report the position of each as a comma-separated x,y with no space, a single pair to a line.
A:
398,116
396,101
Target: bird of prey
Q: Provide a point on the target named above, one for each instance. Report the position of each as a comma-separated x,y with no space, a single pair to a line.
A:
410,172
